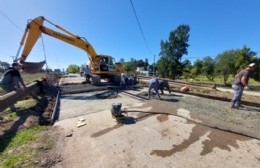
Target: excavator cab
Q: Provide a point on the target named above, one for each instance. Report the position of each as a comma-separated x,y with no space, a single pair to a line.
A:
106,63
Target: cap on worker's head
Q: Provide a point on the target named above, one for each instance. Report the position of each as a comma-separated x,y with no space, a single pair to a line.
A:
15,64
251,65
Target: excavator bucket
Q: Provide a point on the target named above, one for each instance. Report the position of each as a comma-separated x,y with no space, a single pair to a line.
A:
32,67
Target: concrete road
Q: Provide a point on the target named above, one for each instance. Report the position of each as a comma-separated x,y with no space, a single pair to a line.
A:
145,140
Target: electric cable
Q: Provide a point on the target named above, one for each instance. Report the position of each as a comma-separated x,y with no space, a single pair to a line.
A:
139,25
10,20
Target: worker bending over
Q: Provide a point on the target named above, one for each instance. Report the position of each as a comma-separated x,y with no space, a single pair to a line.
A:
164,84
153,84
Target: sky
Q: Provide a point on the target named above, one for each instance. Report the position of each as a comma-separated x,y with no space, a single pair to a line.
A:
112,28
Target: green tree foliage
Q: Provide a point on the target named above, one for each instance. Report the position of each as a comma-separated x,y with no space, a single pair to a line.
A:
197,68
208,68
230,62
225,64
243,57
133,64
128,67
3,66
172,50
73,68
256,74
187,67
163,67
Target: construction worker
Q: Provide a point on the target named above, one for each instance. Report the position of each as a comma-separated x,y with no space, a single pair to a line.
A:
164,84
12,79
103,65
87,73
153,84
240,83
124,80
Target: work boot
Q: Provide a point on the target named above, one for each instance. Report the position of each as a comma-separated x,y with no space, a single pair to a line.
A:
234,105
238,104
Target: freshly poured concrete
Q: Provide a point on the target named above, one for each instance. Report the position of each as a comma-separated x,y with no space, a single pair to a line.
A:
145,140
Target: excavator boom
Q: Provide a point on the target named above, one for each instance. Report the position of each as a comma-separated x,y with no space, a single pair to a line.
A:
34,30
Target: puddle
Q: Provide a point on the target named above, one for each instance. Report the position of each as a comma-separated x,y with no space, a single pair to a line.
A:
216,139
163,117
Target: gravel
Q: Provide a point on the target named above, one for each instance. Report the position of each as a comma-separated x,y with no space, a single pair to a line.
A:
218,114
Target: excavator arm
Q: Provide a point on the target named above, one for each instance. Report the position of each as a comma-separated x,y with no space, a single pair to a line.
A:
34,30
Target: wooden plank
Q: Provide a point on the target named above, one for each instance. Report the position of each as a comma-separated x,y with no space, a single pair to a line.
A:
14,96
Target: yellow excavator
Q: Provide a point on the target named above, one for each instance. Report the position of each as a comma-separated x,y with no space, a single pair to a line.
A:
101,65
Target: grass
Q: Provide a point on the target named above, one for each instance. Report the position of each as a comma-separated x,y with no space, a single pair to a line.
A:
20,150
28,103
10,116
25,136
219,80
23,147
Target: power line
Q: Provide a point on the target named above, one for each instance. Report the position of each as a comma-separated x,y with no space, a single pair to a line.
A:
7,18
140,26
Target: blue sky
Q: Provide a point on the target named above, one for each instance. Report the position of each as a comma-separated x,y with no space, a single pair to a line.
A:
111,27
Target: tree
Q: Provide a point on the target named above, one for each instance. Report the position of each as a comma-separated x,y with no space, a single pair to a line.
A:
172,52
73,68
187,69
208,67
225,64
163,66
3,66
243,57
256,75
129,67
197,68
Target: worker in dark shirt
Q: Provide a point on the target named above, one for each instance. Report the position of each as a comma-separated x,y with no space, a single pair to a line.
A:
240,83
12,79
164,84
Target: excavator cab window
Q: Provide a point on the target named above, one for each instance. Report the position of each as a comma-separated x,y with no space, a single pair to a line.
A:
104,64
111,64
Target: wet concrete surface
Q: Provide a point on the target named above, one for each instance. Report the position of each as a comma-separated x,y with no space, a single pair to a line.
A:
172,134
